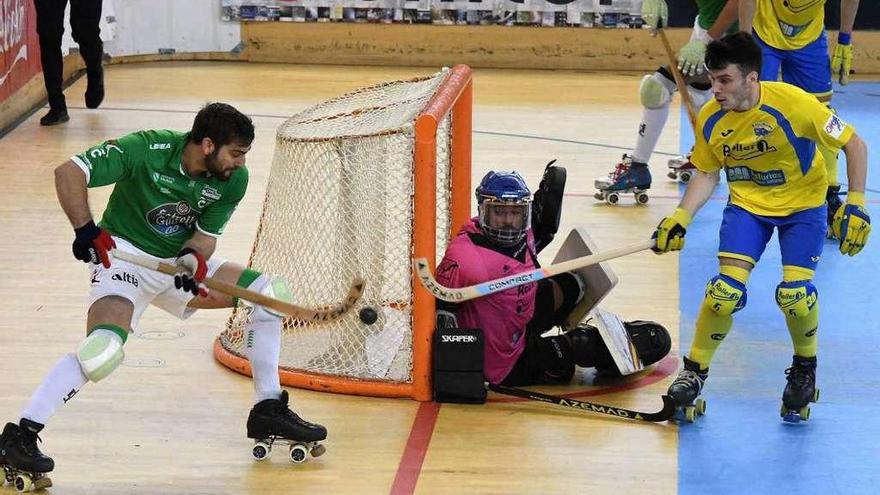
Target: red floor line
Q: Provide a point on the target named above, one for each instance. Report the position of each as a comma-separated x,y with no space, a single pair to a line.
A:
416,448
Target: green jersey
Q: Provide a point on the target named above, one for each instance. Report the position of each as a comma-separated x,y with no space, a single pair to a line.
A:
708,11
155,205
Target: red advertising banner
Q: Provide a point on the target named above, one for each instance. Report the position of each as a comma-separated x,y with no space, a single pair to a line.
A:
19,46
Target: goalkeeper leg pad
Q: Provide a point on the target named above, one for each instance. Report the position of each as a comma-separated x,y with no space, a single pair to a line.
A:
101,352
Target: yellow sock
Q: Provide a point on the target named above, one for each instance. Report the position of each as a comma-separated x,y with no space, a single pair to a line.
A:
803,326
712,326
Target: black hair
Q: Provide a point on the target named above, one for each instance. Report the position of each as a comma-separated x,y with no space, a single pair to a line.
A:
738,48
223,124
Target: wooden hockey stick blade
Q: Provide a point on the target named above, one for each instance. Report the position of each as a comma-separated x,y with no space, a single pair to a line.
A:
324,314
664,414
679,81
450,294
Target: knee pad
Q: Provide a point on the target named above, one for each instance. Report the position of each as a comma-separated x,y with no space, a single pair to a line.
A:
655,90
797,299
588,349
556,359
725,295
269,285
101,352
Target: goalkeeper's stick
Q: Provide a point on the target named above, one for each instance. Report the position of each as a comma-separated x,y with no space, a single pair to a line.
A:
679,81
452,294
323,314
664,414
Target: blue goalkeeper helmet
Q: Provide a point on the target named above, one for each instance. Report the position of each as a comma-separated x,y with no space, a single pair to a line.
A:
504,203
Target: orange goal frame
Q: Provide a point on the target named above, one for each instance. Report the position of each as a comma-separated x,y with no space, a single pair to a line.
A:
454,97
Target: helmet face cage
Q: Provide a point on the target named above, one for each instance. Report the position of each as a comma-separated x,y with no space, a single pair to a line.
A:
505,207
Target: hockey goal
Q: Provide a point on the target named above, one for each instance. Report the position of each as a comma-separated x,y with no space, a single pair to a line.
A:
360,185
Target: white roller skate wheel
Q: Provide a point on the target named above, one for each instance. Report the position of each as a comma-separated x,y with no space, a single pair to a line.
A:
261,451
685,177
23,483
10,478
701,407
641,198
298,453
612,198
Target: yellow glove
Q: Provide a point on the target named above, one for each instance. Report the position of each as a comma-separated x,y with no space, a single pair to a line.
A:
841,62
851,224
670,231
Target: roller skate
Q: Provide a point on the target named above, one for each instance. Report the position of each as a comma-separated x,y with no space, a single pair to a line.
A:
685,390
800,391
628,177
832,198
681,169
272,421
24,466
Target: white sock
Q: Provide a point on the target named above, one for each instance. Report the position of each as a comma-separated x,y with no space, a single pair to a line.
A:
653,120
263,333
59,386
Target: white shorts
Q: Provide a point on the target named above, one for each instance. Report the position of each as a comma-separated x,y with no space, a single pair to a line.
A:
142,286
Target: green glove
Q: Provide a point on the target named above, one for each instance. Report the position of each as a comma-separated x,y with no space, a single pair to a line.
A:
692,58
841,62
655,13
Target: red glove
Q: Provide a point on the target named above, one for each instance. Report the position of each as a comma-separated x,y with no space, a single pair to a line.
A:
93,244
191,271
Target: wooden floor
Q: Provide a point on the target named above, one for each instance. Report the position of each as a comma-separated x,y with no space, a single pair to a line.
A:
171,420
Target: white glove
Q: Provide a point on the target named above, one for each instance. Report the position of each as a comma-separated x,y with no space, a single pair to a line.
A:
692,58
655,13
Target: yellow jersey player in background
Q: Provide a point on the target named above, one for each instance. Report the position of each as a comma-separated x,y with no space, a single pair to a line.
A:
793,40
764,136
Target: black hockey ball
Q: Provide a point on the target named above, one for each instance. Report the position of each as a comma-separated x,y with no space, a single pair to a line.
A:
368,315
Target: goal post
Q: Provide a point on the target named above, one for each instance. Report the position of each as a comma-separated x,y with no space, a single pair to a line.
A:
359,186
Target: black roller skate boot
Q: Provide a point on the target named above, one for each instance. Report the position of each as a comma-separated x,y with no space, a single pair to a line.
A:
685,390
800,391
832,198
271,420
24,466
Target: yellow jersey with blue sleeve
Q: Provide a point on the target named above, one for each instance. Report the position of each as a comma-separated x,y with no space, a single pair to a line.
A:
768,152
789,24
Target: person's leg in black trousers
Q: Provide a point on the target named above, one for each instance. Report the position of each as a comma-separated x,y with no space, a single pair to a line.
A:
85,17
50,27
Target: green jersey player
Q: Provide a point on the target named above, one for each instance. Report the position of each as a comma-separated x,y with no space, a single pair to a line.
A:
173,194
631,174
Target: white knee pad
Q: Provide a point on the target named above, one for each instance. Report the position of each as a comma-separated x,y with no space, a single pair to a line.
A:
100,353
699,96
655,91
272,286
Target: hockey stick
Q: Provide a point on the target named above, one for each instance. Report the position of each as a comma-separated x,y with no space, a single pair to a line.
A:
679,81
451,294
664,414
325,314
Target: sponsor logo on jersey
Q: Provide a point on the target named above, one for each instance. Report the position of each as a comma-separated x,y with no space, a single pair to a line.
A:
458,339
740,152
792,30
209,195
726,133
125,277
762,129
834,126
742,173
157,178
171,218
160,146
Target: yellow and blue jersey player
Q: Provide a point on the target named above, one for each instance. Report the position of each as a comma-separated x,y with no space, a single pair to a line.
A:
764,136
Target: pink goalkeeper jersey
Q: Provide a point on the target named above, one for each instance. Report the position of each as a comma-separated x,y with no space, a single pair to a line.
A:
502,316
